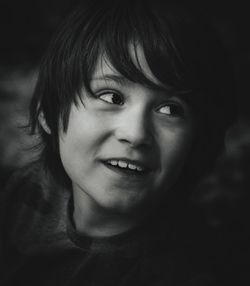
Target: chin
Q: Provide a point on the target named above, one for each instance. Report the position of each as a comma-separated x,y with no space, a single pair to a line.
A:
128,206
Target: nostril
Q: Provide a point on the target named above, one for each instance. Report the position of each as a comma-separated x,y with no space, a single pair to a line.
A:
137,140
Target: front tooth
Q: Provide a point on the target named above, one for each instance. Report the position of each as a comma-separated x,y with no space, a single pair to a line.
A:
131,166
113,162
122,164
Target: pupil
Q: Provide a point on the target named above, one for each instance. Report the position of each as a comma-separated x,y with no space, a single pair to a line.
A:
116,99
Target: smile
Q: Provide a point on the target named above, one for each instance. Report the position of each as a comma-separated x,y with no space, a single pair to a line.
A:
126,166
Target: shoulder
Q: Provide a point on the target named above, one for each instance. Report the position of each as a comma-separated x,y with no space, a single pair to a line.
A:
33,207
24,194
29,191
31,187
31,184
22,183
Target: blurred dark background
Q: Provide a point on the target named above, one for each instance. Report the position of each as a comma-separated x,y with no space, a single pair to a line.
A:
25,31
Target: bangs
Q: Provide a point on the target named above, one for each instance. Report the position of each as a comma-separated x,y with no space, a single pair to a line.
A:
118,34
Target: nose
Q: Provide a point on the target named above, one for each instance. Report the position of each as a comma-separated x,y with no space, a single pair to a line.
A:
135,128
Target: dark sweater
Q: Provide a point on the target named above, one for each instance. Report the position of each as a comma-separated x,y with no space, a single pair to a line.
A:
40,246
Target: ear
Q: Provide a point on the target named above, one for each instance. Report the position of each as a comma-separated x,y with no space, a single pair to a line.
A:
43,123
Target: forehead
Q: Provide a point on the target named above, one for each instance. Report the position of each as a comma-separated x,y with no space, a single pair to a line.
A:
104,66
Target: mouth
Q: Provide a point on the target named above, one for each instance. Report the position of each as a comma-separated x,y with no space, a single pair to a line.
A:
127,167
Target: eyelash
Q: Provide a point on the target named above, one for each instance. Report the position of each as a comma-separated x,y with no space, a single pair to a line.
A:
175,109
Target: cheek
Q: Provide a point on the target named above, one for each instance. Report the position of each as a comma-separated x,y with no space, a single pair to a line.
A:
82,141
83,130
175,148
75,147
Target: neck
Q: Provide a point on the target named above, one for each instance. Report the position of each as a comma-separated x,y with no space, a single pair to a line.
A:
96,221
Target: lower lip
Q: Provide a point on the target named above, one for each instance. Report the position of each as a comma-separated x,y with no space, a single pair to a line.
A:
126,172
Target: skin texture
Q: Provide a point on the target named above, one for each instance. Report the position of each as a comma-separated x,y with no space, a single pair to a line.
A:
130,121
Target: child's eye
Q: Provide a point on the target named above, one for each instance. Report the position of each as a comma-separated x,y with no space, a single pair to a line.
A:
111,97
171,109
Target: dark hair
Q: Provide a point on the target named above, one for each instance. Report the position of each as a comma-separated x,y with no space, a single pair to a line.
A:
182,51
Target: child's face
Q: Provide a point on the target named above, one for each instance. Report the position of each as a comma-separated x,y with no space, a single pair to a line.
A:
127,146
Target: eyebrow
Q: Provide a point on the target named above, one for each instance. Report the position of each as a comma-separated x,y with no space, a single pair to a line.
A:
119,79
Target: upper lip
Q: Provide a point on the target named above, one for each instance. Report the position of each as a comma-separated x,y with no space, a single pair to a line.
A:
147,165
